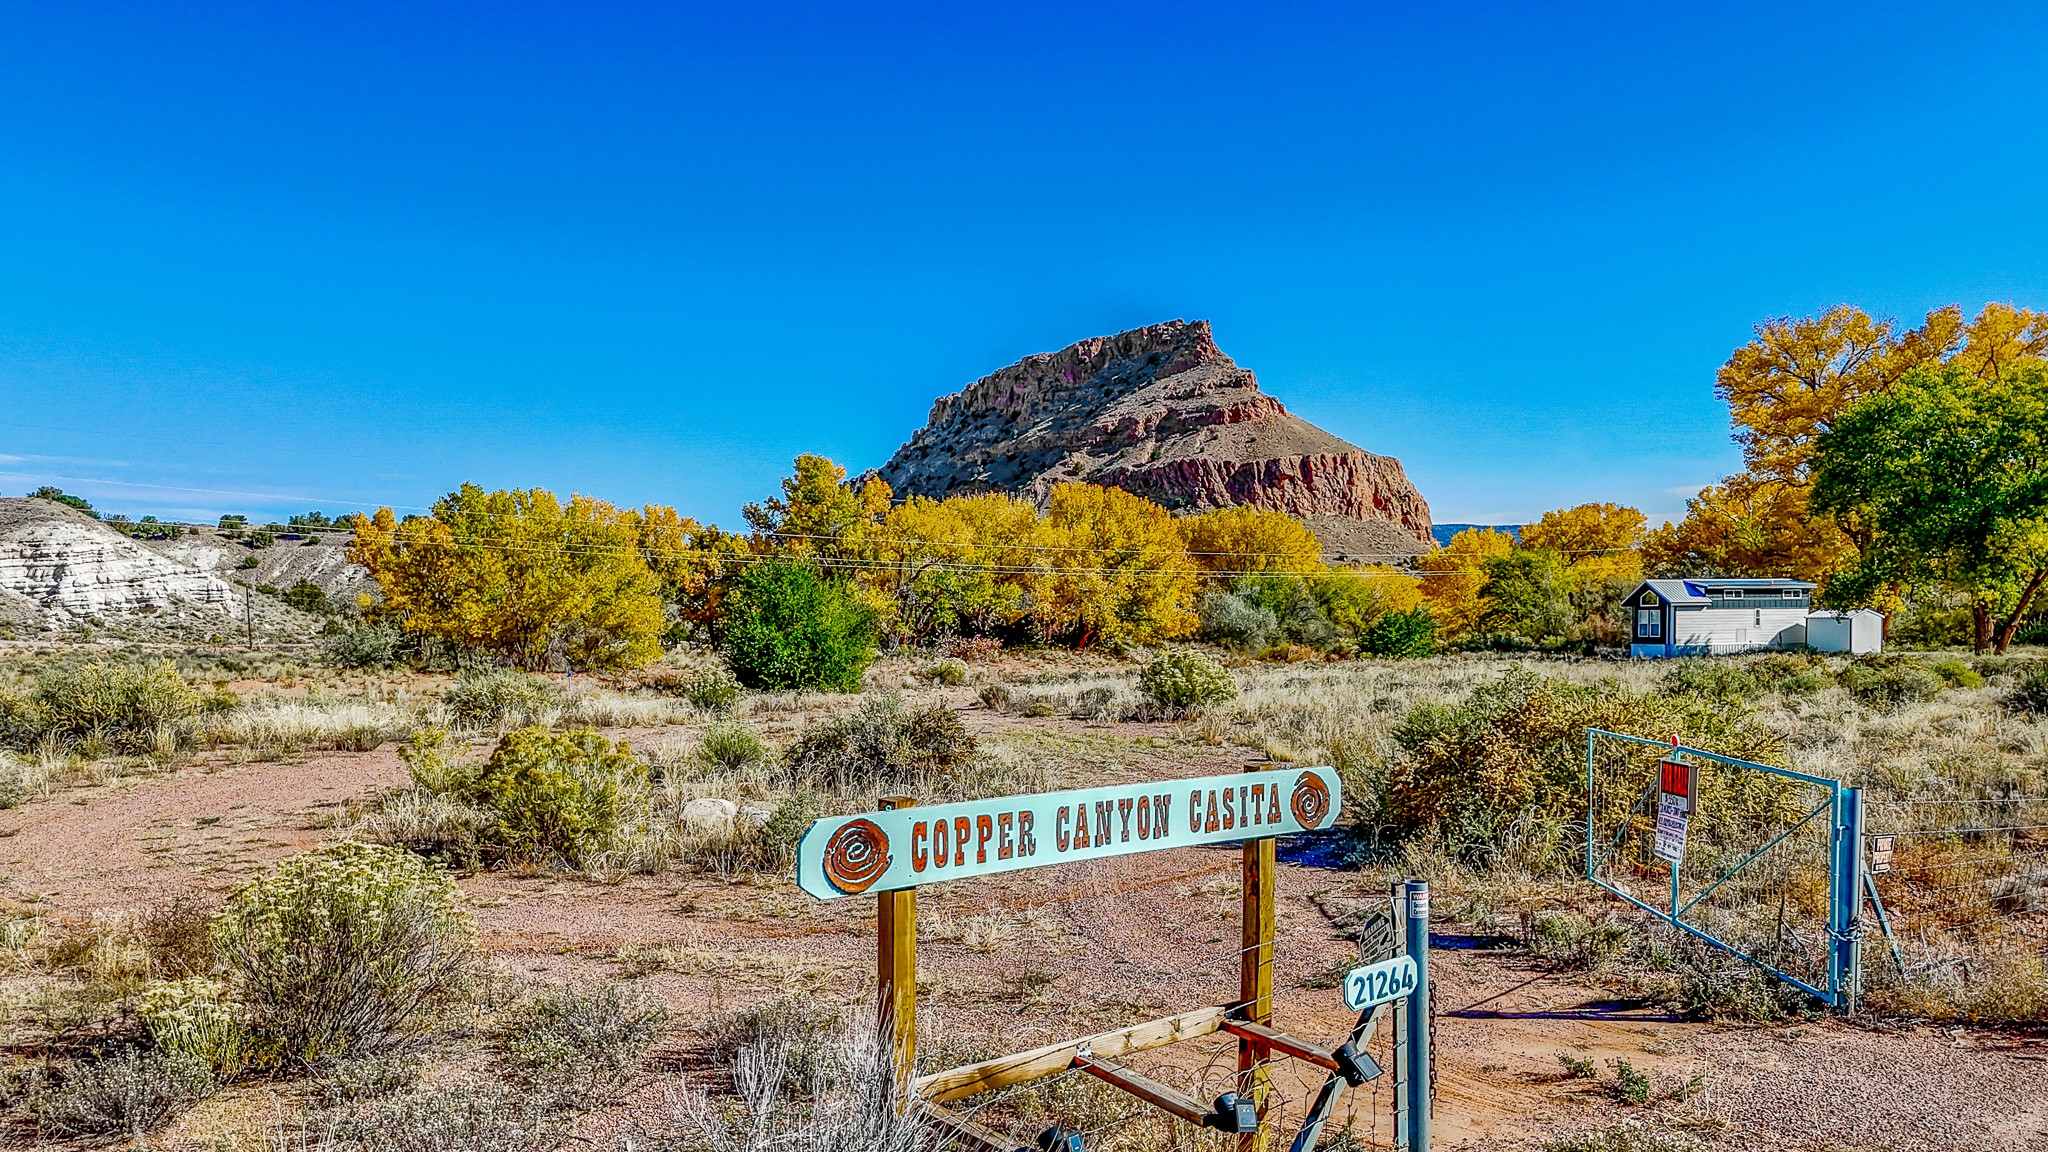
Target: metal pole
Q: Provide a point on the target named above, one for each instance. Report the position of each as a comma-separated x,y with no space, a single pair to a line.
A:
1590,804
1845,919
1397,1036
1418,1017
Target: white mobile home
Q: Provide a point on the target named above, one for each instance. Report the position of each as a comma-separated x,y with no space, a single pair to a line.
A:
1708,617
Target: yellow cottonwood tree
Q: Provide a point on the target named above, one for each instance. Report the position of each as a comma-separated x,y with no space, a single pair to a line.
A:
1453,575
1244,539
959,564
819,513
518,574
1785,389
690,561
1115,570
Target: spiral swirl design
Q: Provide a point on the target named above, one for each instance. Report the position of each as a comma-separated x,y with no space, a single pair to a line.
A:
1311,800
856,856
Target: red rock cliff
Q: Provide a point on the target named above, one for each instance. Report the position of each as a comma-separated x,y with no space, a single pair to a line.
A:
1161,412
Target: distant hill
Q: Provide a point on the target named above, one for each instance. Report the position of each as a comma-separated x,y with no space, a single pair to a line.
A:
1443,532
62,569
1163,413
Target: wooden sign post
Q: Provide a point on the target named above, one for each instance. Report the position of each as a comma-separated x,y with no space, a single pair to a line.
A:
1255,977
896,964
900,846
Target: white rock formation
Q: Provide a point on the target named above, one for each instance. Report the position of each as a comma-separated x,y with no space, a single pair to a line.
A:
73,568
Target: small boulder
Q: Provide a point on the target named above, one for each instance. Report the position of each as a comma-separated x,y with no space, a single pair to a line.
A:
709,815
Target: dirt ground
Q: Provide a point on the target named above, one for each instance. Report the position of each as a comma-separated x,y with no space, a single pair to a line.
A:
1011,961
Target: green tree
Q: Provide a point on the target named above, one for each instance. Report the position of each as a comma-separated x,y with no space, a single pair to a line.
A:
784,626
62,497
1947,474
1528,593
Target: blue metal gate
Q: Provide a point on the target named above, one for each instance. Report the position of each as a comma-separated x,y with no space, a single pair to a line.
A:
1770,871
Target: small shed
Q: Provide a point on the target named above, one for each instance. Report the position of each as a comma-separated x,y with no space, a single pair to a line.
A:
1857,632
1717,616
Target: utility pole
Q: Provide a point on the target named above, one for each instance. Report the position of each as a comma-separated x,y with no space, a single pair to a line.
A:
249,614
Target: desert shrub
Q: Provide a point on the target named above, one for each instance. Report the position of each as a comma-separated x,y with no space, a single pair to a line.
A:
1014,702
428,758
466,1115
775,842
1889,683
2029,697
344,949
1712,679
949,672
1401,635
556,795
498,698
1631,1137
1228,618
1514,750
127,1094
714,689
1710,990
1576,1067
174,930
369,646
1956,672
438,825
881,741
804,1025
971,648
130,708
838,1096
1182,681
193,1019
785,626
1575,941
370,1078
1298,615
732,745
1630,1086
581,1046
305,596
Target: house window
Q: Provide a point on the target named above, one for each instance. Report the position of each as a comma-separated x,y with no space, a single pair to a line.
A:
1649,624
1759,617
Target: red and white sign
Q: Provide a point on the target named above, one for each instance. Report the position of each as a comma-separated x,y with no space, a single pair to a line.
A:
1680,781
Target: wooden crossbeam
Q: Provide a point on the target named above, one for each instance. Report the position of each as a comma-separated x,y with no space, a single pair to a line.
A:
1321,1055
1003,1071
1149,1090
971,1136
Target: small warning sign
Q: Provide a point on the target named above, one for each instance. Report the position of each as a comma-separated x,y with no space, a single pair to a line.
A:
1679,780
1880,854
1672,819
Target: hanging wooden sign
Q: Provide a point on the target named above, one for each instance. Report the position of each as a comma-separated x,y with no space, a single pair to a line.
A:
906,847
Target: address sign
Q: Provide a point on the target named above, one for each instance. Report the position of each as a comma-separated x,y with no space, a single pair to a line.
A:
906,847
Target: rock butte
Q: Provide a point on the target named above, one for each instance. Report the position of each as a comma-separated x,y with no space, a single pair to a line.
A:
60,568
1163,413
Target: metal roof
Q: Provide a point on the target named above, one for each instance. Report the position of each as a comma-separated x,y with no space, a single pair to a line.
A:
1695,591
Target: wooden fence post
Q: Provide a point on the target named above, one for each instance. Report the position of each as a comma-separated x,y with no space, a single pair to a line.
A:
1255,975
896,966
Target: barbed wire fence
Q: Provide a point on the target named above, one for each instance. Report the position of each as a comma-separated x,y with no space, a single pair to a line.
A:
1204,1068
1961,885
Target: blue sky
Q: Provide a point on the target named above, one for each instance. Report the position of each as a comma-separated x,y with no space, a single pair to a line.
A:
277,257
